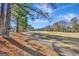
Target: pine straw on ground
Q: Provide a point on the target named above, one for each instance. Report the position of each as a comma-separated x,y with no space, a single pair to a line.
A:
9,49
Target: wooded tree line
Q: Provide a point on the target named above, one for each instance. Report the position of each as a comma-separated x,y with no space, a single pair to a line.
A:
64,26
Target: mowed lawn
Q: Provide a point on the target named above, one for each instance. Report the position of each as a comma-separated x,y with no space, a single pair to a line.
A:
65,34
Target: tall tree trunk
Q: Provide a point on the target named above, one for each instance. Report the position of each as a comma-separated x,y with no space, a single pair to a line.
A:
2,17
7,21
17,28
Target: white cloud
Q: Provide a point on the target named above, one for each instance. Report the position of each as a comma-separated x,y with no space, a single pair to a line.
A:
38,21
67,17
70,16
45,7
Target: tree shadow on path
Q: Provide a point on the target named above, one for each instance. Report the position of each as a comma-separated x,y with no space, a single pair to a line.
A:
29,50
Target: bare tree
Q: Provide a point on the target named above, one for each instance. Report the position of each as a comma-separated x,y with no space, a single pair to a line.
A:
75,25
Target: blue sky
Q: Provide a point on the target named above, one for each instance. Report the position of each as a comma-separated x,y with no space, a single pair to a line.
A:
63,11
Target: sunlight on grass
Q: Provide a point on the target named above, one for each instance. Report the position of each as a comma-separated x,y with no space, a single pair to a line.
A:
42,48
65,34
